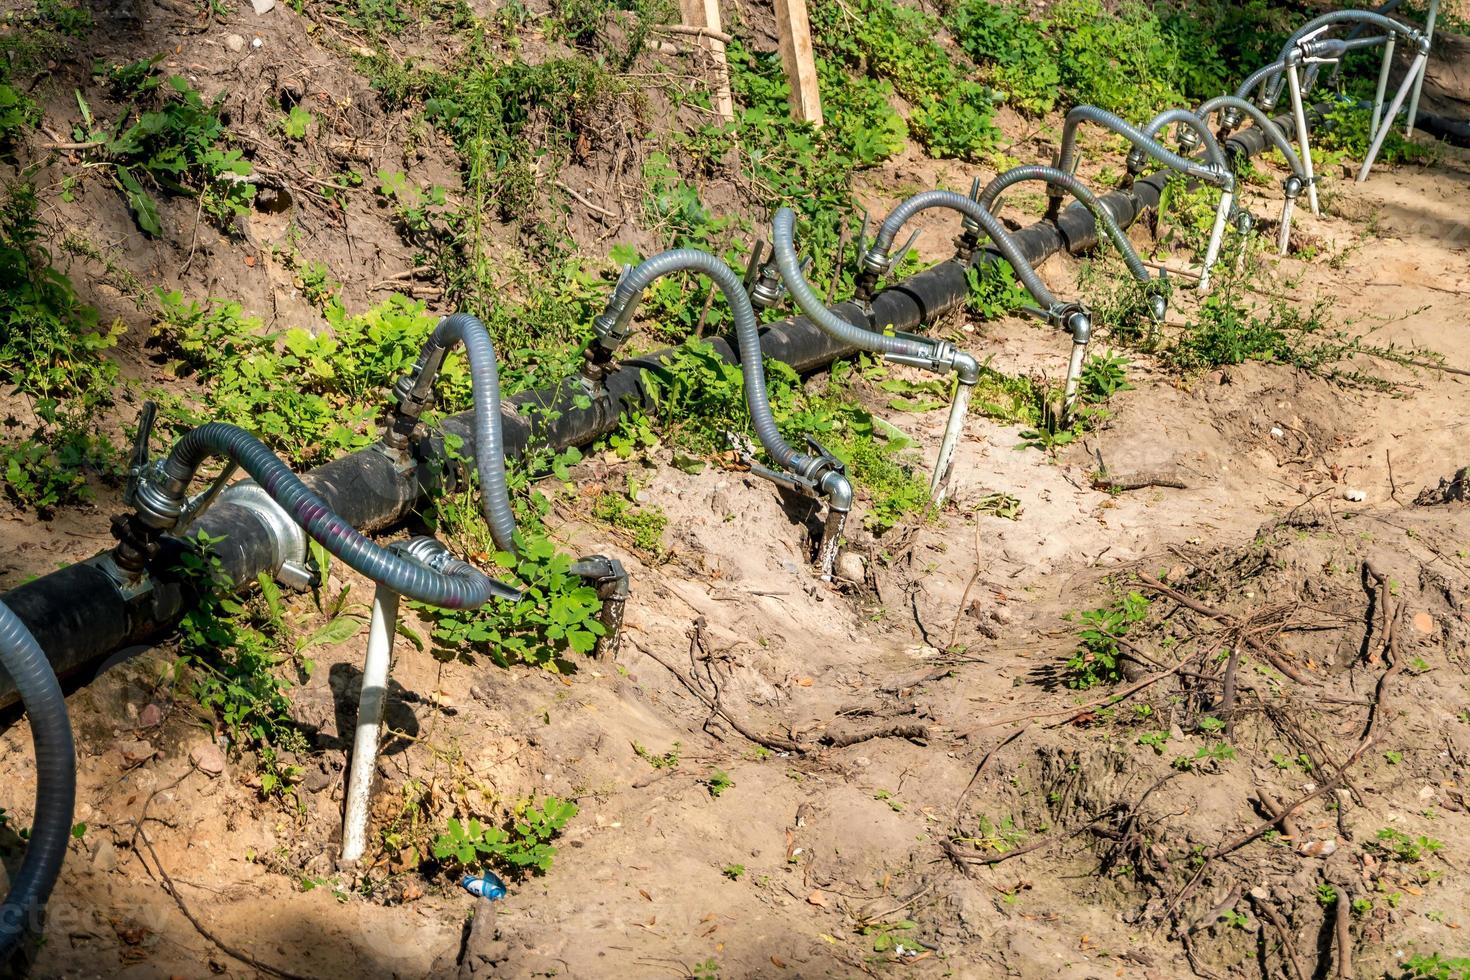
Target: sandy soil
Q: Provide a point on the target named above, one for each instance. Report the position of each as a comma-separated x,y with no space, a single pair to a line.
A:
955,634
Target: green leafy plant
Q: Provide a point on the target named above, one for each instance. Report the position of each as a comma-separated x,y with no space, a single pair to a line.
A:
994,291
733,871
1097,660
296,122
178,146
522,847
1436,966
667,760
717,782
1395,845
53,352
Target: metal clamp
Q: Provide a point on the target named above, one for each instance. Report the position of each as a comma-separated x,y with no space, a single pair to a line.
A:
292,564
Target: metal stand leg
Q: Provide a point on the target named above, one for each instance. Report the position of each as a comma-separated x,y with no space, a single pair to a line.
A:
1303,138
1419,83
958,410
1382,89
369,721
1287,209
831,542
1217,234
1074,378
1416,71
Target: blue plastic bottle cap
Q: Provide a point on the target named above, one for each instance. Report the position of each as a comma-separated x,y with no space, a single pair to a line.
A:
487,886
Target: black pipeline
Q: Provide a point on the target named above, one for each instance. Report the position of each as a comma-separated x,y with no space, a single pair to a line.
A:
81,614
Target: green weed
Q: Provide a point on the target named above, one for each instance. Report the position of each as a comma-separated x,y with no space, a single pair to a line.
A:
166,139
1097,660
522,847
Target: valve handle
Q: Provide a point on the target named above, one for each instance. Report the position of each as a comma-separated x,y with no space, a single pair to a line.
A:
138,462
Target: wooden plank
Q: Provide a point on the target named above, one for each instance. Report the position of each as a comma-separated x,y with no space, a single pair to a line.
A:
795,32
704,15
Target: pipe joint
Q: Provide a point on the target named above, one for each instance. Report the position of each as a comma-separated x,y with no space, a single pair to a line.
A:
767,290
432,553
939,357
1189,140
1073,318
836,488
1292,187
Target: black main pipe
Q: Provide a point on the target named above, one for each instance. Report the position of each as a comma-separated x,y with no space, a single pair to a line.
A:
79,615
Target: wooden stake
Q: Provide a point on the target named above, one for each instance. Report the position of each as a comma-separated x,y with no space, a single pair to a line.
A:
703,16
795,31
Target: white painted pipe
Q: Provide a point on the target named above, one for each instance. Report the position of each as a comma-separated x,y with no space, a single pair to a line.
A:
1303,136
369,720
1287,209
1419,82
1217,235
1415,70
1074,379
1382,89
958,410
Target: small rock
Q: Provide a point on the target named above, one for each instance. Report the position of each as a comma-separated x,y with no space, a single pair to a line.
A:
150,717
256,43
850,566
1318,848
263,6
1424,623
134,752
208,758
1426,793
105,857
1001,615
1259,894
235,43
719,502
316,781
1355,496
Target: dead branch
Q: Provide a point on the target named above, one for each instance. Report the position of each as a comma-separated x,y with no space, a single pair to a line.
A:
778,743
1124,483
1344,936
964,860
173,890
984,764
913,732
1194,605
1270,914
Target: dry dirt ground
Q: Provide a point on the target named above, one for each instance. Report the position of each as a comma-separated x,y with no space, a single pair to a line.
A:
1021,828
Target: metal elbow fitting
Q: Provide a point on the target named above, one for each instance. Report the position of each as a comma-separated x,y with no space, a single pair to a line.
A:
1230,118
966,368
1292,187
1245,222
1189,140
1075,320
836,488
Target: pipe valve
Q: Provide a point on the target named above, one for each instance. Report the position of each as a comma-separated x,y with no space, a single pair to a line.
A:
1156,295
762,279
612,326
1189,140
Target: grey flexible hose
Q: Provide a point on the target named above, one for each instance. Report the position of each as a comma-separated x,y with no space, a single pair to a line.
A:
1067,158
1359,18
747,335
1184,117
784,249
991,225
462,328
1052,176
462,587
1258,78
56,779
1273,132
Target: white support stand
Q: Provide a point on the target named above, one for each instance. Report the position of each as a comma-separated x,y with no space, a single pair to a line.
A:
369,720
